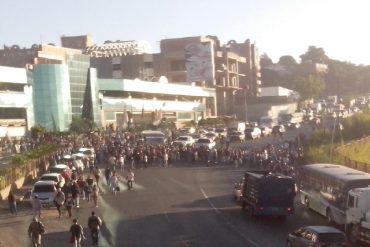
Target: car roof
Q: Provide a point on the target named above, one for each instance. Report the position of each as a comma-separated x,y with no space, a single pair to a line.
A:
52,174
85,149
323,229
44,182
60,166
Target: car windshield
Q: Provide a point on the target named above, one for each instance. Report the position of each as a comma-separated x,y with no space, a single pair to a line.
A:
43,188
154,140
182,138
56,170
332,238
49,178
204,141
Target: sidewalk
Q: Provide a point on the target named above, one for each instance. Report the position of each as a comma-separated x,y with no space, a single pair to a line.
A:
14,229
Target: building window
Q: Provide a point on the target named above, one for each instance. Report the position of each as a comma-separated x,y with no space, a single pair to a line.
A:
148,65
116,66
177,65
184,116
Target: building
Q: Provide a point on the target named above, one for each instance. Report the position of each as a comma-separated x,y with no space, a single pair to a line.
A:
16,107
232,69
123,101
55,70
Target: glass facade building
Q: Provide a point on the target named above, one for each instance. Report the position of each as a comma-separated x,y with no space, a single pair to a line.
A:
52,96
78,67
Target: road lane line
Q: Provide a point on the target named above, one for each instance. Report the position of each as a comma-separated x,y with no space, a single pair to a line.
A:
181,184
166,216
245,237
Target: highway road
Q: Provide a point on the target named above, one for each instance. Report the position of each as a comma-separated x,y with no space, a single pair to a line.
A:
181,205
191,206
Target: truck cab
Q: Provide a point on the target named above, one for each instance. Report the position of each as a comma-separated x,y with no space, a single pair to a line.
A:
358,215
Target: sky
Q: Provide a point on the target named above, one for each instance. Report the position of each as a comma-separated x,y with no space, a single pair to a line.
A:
278,27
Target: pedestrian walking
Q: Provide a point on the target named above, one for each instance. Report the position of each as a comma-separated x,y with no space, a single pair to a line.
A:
97,175
77,234
12,204
113,182
130,179
36,206
59,201
95,195
35,230
94,223
69,204
75,194
107,174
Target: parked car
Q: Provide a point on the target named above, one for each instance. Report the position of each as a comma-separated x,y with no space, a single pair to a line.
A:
184,140
74,160
196,136
265,131
252,133
236,136
211,135
221,132
57,178
45,191
317,236
89,152
187,130
62,169
278,129
204,142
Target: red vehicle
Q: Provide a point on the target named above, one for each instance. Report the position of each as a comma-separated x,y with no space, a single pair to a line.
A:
62,169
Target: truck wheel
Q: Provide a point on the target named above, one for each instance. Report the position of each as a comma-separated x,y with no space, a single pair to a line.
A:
329,216
353,234
307,203
251,212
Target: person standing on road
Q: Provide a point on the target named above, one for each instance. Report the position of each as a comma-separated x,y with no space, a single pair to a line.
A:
97,175
77,234
35,231
107,174
95,194
36,206
130,179
69,204
113,182
12,203
94,223
59,201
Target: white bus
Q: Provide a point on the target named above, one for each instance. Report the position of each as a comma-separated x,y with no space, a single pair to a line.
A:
324,188
153,137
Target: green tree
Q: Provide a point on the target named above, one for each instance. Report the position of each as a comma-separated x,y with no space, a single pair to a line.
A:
309,87
265,60
288,61
81,125
315,55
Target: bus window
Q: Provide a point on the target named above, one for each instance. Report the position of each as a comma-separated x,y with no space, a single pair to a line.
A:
351,201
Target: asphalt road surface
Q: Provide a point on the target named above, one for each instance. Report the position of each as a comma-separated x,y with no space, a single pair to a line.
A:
190,206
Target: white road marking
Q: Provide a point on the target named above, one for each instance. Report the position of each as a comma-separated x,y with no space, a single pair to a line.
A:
181,184
245,237
166,216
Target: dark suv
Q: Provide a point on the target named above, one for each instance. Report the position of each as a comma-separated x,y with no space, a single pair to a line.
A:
318,236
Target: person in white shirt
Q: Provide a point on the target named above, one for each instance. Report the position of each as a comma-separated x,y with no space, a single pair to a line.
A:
130,179
113,182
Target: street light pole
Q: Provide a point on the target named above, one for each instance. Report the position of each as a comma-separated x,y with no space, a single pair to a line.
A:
245,104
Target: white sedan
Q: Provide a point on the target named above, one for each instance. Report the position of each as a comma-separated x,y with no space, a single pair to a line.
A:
204,142
184,140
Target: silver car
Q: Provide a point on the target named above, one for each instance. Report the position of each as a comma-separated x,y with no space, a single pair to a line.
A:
319,236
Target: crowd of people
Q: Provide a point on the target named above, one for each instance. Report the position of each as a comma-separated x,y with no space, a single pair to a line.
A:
120,153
